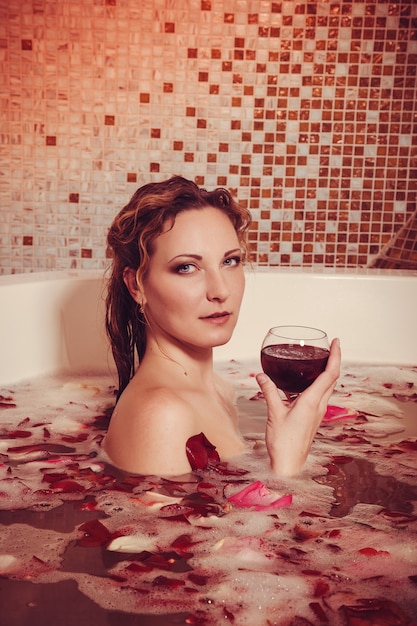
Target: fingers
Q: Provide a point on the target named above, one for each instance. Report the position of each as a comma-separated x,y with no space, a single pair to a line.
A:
333,363
325,383
270,392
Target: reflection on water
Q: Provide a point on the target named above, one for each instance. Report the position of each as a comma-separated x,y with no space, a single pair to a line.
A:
62,603
354,480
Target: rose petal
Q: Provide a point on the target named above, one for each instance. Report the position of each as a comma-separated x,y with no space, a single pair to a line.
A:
131,543
163,581
200,452
373,552
337,413
95,534
155,500
258,496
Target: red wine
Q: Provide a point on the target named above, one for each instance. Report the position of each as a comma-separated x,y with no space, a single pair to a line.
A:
293,367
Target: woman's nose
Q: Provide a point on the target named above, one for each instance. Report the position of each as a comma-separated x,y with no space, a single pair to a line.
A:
217,287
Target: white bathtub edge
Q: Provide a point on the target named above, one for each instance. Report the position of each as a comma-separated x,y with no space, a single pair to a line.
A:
54,321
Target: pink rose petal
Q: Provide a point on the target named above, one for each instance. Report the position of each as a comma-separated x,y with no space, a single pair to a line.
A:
337,413
258,496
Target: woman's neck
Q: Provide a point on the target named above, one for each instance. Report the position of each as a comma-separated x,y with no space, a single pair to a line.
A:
194,364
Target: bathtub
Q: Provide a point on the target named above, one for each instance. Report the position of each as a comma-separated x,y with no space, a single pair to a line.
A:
54,321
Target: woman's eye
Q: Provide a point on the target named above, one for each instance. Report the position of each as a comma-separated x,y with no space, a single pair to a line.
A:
232,261
186,268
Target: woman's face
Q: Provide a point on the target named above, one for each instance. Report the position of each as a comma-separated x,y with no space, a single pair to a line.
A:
195,282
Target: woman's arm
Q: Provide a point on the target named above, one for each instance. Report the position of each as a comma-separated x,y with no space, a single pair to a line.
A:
290,429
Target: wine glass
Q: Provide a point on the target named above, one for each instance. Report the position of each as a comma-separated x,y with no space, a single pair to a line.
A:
293,357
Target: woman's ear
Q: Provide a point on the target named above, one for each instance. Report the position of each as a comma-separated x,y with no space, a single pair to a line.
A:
129,278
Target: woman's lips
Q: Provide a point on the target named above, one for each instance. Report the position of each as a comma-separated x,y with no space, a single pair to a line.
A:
218,318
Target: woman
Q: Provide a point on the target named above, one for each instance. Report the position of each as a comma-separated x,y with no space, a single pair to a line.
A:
174,294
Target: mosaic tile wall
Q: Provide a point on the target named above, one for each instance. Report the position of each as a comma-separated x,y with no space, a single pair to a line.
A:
305,109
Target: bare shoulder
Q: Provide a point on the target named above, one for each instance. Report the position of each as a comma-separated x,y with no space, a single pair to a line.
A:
148,432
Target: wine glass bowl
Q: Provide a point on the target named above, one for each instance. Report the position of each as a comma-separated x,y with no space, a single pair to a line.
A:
293,357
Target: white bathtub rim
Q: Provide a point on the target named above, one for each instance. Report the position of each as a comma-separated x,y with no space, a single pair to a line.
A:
360,272
66,305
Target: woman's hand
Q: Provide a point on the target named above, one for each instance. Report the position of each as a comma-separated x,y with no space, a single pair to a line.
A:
291,428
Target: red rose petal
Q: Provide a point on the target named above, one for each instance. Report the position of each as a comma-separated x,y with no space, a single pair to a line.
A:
200,452
95,534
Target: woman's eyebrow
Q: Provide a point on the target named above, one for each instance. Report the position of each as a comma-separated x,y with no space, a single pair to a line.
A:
198,257
233,251
186,255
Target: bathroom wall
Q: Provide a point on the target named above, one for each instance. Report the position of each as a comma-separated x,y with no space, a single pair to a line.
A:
305,109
